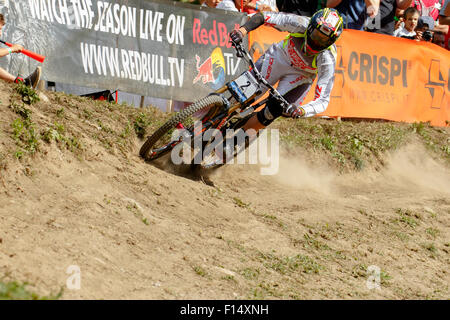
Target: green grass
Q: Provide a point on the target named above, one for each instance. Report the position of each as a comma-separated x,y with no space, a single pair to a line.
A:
310,242
141,122
267,218
401,235
60,113
57,133
13,290
125,134
24,134
104,127
408,217
435,139
328,143
240,203
132,207
286,265
431,248
384,277
29,95
87,114
408,221
359,270
229,278
432,232
355,144
199,270
250,273
21,110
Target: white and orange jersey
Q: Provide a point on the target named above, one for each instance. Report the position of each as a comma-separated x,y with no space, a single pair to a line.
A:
287,62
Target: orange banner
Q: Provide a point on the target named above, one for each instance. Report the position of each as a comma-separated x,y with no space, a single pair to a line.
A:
382,77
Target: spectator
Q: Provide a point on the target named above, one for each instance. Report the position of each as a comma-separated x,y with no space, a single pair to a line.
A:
399,19
211,3
301,7
439,38
235,5
32,80
431,8
444,14
355,12
231,5
425,27
411,17
255,6
444,19
384,22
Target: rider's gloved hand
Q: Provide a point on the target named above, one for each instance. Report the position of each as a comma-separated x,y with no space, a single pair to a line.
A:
294,112
298,112
236,36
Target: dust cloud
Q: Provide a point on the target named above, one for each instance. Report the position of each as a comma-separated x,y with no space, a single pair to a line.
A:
297,172
412,166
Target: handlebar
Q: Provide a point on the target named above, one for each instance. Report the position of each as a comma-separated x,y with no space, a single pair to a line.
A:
243,53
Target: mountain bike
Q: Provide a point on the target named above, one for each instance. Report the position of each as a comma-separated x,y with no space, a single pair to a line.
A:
225,110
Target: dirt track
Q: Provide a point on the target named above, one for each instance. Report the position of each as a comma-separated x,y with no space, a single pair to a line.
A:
139,232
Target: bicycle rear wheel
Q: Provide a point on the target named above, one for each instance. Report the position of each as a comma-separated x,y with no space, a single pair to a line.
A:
159,143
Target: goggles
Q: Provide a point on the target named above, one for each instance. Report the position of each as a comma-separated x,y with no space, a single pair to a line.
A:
318,40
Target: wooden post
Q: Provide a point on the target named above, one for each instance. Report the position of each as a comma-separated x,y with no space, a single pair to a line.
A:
141,105
169,106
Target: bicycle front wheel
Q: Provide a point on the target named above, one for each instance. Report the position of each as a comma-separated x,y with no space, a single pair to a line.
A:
159,143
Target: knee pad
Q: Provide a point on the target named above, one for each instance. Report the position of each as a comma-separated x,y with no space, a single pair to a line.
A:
271,111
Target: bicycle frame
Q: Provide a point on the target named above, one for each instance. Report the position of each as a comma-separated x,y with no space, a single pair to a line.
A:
217,116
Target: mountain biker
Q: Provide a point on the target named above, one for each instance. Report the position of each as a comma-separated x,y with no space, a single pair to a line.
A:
306,53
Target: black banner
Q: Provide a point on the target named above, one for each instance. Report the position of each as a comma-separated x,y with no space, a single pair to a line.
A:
153,48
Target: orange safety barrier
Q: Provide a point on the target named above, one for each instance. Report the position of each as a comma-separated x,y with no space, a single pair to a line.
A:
382,77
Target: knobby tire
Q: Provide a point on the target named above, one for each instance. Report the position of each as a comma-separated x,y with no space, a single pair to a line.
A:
206,102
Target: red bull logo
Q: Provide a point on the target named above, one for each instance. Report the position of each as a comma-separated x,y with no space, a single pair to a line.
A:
204,71
215,36
212,70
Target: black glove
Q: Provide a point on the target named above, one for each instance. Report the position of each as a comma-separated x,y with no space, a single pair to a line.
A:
236,36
